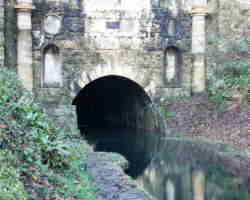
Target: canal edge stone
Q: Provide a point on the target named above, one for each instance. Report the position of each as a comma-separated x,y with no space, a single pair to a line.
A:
109,175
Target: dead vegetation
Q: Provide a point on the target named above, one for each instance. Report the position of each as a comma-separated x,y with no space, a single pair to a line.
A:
201,117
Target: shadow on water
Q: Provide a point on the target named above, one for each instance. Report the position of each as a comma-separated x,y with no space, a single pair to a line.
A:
128,142
172,169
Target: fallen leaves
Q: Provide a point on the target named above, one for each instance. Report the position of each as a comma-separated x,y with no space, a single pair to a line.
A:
3,126
201,119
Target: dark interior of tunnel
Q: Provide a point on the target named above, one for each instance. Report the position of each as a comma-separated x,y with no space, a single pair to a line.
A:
111,102
113,114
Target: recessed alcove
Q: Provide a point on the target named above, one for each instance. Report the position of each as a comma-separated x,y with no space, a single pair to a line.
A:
52,67
172,69
171,28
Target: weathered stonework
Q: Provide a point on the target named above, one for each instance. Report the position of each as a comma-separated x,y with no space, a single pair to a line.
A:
199,12
24,43
110,38
125,38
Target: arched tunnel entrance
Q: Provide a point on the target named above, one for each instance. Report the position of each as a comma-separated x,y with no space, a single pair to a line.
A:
115,114
113,102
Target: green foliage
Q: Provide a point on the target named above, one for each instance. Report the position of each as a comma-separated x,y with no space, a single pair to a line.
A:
232,73
26,124
76,183
11,187
50,158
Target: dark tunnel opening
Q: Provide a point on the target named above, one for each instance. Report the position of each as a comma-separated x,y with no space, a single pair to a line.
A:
115,115
113,102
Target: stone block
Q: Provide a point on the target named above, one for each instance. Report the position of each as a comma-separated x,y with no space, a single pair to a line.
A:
107,43
70,44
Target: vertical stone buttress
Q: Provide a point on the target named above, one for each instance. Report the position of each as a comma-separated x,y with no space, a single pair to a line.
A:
199,12
24,43
2,7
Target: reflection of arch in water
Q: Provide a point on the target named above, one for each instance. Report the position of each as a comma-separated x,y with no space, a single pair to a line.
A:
52,67
172,70
199,181
172,184
170,190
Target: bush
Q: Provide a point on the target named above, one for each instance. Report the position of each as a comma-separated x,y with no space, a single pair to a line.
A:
26,130
11,187
34,152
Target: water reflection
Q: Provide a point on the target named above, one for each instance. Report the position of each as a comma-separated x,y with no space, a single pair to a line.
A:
173,169
130,143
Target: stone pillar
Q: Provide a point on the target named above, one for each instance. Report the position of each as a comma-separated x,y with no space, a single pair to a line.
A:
198,179
24,43
2,32
199,12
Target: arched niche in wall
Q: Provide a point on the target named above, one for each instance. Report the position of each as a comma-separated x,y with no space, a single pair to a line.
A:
171,27
172,69
52,67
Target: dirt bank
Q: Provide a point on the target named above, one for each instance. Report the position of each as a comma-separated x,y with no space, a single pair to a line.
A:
201,117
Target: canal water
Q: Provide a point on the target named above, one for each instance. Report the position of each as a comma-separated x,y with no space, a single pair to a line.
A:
175,168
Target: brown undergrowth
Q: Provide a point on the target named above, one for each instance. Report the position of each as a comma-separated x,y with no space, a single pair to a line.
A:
201,117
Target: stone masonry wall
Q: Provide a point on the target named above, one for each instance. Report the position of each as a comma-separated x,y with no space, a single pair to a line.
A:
67,39
125,38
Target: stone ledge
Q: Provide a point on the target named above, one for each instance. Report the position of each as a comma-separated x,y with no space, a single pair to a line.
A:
25,7
199,10
107,172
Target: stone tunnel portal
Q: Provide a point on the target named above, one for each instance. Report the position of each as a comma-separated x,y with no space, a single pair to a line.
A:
114,102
